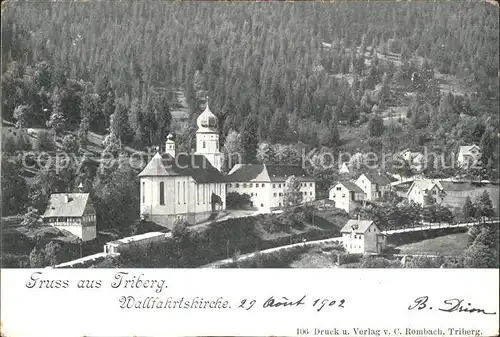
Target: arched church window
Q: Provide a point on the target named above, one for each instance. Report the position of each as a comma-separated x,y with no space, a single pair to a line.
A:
204,144
143,192
162,193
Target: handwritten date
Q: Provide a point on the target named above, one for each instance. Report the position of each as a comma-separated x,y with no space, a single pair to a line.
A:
449,305
272,302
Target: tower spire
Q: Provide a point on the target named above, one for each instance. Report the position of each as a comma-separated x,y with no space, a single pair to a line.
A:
207,100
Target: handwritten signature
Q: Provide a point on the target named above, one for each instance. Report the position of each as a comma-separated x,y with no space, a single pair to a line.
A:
449,305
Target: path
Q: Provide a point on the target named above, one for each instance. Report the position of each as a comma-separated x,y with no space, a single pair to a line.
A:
428,226
271,250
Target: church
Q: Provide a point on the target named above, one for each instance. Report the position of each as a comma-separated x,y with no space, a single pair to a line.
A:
190,186
185,186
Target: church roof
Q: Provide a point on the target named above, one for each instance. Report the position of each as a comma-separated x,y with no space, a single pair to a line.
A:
194,165
207,121
264,172
66,205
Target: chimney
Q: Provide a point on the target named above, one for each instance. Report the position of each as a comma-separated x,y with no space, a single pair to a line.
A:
359,217
170,145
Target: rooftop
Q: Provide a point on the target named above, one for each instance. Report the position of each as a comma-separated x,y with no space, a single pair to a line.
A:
265,172
358,226
426,184
350,186
196,166
377,178
66,205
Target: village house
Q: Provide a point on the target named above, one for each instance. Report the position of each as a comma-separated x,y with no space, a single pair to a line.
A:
185,186
343,169
363,236
375,185
265,184
468,155
72,212
346,195
415,159
422,191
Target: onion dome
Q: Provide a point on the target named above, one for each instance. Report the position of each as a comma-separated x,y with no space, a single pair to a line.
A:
170,138
207,120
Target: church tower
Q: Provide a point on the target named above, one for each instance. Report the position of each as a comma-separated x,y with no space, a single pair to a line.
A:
170,145
207,138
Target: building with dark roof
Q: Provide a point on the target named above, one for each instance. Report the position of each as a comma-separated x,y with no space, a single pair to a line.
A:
73,212
375,185
265,184
346,195
185,186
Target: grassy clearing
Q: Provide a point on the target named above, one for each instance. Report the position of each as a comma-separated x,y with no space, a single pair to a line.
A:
452,244
314,260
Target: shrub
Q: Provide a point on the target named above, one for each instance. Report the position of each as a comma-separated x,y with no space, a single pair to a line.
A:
350,258
277,259
237,200
378,262
46,141
423,262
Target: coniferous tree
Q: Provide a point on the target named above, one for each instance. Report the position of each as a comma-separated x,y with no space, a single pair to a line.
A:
57,119
279,127
468,209
249,138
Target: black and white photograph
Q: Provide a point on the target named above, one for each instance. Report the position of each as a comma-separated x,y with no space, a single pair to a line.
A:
259,134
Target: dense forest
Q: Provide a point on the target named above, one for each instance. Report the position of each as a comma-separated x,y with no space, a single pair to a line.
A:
280,76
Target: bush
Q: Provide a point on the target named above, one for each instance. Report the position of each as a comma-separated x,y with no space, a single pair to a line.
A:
278,259
423,262
17,140
236,200
14,261
350,258
378,262
46,141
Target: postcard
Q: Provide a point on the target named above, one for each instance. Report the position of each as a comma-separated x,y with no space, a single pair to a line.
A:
250,168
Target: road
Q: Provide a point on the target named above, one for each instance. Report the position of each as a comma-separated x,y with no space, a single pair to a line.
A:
428,226
339,239
271,250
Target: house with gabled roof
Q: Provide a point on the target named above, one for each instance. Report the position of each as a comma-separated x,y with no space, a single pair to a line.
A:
73,212
421,191
265,184
362,236
413,158
346,195
468,155
375,185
